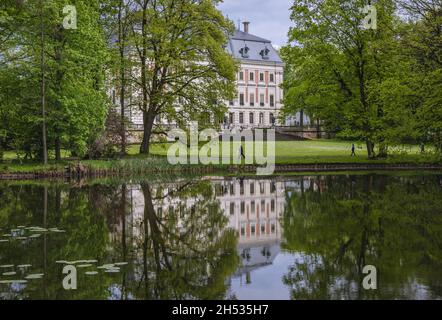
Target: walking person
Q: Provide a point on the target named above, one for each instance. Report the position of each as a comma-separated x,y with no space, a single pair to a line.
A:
353,153
241,152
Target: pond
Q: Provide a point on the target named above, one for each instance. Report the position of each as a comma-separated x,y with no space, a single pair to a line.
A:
285,237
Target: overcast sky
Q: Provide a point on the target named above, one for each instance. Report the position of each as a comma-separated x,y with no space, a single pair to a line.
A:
269,19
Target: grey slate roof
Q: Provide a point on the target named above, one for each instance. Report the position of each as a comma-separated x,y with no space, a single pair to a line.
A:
255,46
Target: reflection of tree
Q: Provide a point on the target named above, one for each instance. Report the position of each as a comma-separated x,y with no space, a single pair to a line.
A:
392,223
86,237
187,252
184,252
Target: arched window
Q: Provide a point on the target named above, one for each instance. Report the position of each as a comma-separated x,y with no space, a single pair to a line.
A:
261,118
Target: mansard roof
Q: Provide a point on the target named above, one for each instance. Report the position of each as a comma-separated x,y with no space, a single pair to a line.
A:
248,47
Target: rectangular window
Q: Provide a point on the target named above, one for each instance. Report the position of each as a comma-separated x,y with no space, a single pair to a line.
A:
272,100
272,77
232,208
241,76
252,100
243,207
252,76
261,100
272,205
241,118
252,188
241,99
261,77
251,118
263,205
231,102
231,118
232,189
252,207
253,230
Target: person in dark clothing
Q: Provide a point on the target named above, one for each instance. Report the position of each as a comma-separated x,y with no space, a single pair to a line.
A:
241,151
353,153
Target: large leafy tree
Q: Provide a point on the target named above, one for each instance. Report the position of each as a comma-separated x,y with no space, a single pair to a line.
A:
70,63
178,47
341,72
422,44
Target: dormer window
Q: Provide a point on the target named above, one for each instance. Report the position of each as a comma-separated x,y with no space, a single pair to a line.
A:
244,51
265,53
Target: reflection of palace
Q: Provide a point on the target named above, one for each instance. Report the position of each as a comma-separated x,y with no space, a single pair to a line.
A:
253,208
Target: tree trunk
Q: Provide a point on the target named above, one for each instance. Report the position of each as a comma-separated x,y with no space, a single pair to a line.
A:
148,120
318,129
122,39
301,118
370,148
43,88
383,150
59,75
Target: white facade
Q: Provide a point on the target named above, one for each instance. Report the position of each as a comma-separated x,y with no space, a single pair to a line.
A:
259,96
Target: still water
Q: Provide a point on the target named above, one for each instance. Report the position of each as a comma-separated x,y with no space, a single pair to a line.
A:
292,237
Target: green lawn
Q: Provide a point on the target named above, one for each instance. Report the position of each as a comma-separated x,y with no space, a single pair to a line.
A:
316,151
287,152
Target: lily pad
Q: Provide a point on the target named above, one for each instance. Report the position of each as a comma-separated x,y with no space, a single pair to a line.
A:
91,273
121,263
34,276
91,261
84,265
112,270
7,266
12,281
13,273
22,266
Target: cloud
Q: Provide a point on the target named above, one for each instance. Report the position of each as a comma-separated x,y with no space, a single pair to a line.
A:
270,19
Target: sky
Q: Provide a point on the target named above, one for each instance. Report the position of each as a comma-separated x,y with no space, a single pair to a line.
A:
269,19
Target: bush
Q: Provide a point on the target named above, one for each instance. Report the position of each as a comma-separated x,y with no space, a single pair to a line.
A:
108,143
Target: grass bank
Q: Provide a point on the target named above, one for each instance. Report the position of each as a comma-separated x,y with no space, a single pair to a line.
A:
288,154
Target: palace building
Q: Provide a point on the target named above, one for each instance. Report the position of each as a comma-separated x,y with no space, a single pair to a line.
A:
259,97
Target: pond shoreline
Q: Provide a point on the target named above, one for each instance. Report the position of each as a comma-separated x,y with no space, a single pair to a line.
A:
81,172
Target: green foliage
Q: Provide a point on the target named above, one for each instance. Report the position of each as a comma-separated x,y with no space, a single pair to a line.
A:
182,61
343,223
76,102
381,86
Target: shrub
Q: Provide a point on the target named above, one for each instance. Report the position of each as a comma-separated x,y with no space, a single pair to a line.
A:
108,143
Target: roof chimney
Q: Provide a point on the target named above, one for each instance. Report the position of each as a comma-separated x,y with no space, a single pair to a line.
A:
246,26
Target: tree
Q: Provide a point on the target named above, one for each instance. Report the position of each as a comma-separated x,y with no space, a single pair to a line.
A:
67,65
337,68
422,43
180,58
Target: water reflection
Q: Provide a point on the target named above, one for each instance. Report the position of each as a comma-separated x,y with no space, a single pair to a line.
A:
214,238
